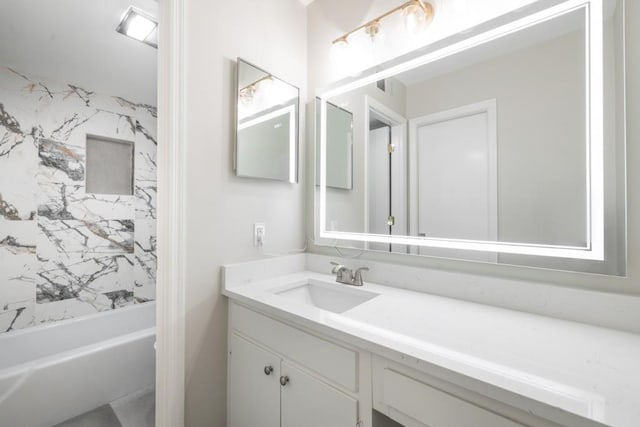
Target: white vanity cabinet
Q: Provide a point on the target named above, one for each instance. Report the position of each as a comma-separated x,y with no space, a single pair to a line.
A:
279,375
282,375
383,356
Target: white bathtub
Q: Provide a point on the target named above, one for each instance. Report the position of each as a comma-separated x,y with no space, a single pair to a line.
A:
54,372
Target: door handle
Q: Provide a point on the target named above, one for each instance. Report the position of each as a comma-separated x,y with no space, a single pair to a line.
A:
268,370
284,380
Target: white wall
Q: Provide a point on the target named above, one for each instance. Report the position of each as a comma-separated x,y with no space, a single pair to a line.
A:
327,19
221,208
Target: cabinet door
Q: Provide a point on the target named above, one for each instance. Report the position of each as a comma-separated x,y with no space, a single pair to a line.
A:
308,401
254,394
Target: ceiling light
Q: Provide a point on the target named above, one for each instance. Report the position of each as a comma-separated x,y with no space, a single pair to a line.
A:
139,25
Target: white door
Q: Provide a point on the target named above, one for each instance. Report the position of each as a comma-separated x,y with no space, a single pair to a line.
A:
310,402
456,181
254,387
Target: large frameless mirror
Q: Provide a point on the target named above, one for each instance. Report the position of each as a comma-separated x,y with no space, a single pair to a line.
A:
504,146
267,125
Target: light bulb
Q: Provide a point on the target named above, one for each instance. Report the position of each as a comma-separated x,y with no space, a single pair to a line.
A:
415,18
140,27
246,94
373,30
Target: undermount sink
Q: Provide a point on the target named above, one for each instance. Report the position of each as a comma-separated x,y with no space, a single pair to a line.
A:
326,296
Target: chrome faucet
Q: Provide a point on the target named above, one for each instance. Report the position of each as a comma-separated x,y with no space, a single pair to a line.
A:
346,276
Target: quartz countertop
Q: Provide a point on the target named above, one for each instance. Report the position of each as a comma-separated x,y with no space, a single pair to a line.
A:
589,371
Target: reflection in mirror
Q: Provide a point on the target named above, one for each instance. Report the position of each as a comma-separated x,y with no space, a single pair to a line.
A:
491,144
339,148
267,125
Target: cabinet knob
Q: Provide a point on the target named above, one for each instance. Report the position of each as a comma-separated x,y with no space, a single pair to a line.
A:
268,370
284,380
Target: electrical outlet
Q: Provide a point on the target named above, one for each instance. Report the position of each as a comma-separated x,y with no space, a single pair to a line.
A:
259,231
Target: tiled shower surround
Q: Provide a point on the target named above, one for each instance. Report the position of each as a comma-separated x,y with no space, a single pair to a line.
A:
63,252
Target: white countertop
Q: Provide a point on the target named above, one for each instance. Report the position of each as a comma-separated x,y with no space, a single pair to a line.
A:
585,370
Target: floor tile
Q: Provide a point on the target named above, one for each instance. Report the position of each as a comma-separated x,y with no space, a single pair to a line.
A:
136,410
104,416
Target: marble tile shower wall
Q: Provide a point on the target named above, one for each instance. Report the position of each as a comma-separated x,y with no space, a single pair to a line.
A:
64,252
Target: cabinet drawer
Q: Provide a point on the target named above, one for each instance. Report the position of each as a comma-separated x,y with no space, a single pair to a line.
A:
332,361
434,407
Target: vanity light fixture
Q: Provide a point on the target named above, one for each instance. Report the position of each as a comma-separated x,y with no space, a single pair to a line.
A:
140,26
417,15
247,93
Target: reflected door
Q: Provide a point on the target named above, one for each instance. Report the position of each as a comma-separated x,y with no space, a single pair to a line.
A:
456,182
379,177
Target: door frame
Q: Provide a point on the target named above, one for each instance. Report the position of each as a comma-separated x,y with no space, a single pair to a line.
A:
490,108
170,278
398,138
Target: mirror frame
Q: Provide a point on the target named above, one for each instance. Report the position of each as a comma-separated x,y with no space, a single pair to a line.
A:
594,33
294,112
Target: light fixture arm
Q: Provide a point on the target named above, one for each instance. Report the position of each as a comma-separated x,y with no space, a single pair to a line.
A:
256,83
375,22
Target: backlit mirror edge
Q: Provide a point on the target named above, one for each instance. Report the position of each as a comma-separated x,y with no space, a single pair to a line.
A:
595,137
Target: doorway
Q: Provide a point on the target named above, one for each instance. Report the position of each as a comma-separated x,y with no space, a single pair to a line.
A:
386,179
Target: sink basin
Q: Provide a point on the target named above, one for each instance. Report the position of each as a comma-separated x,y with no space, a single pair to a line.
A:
332,297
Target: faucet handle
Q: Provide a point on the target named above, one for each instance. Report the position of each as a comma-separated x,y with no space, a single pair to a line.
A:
336,267
357,276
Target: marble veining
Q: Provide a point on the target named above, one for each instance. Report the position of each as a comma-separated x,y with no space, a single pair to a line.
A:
65,252
85,279
60,162
150,109
18,263
65,238
67,201
17,166
146,260
147,134
13,135
146,195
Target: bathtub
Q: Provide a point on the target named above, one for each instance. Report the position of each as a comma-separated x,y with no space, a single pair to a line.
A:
53,372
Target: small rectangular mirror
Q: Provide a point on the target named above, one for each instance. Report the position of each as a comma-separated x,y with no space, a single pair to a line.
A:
339,147
267,125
